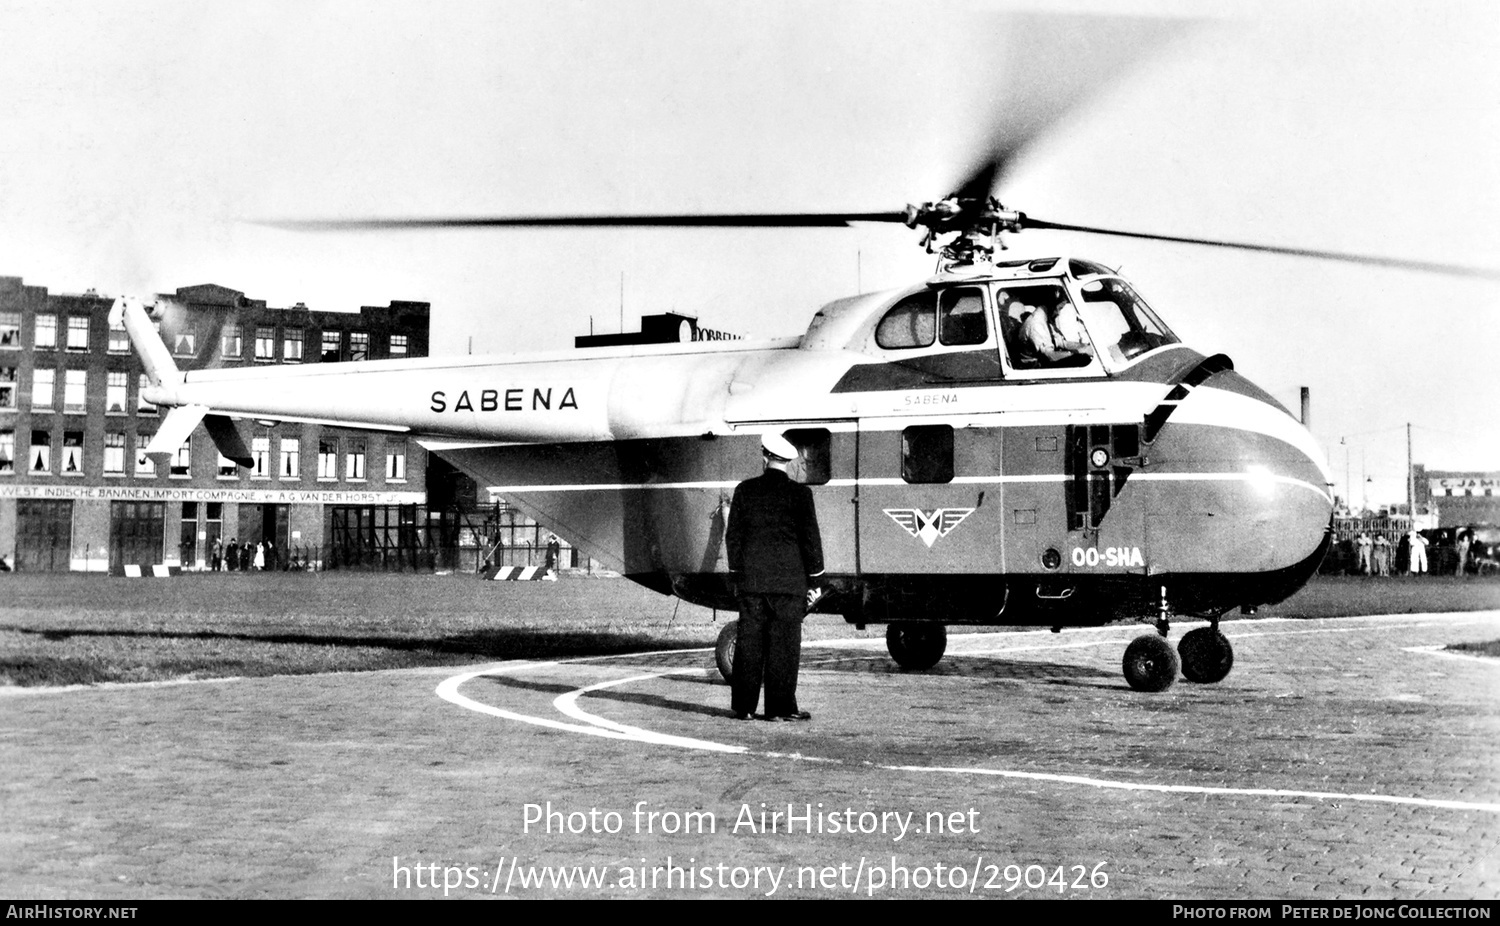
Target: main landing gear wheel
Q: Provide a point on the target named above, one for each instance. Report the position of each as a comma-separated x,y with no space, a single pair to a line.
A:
1150,663
724,649
1206,655
916,646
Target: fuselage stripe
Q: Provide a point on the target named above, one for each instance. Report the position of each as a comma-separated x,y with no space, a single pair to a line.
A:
1249,478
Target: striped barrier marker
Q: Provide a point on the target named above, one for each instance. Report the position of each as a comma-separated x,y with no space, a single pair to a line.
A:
137,571
518,574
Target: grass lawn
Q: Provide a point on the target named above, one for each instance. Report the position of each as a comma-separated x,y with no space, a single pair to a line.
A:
67,628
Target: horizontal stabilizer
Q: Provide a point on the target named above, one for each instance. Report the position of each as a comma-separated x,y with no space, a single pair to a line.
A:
227,438
173,432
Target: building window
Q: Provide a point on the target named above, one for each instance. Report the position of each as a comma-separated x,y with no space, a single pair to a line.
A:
231,344
228,469
46,331
119,339
114,453
359,345
328,458
182,461
10,330
354,460
8,387
142,407
72,458
291,345
7,453
185,344
291,464
265,344
395,460
260,453
78,332
117,385
41,452
41,388
144,466
75,391
398,345
927,453
331,344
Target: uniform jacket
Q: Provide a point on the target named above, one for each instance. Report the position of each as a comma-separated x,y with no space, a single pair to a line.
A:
773,541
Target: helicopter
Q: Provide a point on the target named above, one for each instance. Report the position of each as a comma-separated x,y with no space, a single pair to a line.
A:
962,475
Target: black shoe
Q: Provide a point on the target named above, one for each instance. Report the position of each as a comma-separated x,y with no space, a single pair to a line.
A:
788,718
740,715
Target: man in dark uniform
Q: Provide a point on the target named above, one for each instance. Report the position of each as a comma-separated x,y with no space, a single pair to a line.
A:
775,559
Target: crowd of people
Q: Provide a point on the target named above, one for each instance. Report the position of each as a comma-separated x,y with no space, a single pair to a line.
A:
1410,554
243,557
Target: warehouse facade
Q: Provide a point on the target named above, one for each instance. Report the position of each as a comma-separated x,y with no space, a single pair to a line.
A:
76,491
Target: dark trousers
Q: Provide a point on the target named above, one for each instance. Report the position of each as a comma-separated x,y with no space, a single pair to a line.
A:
768,650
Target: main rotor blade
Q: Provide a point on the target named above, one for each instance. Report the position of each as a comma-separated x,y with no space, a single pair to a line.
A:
1367,259
721,220
1053,63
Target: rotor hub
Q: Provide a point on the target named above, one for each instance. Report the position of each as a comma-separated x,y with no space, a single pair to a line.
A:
963,230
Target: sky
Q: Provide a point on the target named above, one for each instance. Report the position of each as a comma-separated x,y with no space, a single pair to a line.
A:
140,141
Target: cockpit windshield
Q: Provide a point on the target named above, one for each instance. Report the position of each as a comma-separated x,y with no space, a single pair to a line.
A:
1119,321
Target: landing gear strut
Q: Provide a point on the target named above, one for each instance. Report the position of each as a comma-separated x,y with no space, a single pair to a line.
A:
1150,664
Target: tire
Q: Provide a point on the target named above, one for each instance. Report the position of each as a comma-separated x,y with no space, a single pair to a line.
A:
916,646
724,649
1206,656
1150,663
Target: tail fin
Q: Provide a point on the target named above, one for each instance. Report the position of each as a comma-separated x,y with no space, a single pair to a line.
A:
163,374
160,367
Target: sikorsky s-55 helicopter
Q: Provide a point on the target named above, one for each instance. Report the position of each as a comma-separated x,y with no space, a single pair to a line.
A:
962,473
1008,442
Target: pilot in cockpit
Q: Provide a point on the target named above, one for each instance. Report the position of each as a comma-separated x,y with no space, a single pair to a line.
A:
1054,334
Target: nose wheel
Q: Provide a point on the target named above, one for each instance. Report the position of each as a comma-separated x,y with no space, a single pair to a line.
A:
1203,656
1206,655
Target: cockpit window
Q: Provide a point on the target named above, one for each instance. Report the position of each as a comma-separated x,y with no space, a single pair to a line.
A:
961,317
1041,328
912,322
1086,268
1120,322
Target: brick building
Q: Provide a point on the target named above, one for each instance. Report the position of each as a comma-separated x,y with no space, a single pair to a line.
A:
76,493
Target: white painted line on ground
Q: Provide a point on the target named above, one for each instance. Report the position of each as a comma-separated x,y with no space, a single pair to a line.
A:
1202,789
568,704
1490,661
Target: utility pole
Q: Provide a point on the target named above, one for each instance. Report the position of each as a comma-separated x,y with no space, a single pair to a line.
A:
1411,480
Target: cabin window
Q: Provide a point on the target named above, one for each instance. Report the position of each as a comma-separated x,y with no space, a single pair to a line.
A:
961,317
1120,321
814,463
927,453
912,322
1042,329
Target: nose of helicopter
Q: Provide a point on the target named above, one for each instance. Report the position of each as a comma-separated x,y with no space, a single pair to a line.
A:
1262,481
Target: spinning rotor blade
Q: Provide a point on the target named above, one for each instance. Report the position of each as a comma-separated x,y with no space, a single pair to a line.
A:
723,220
1368,260
1052,64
